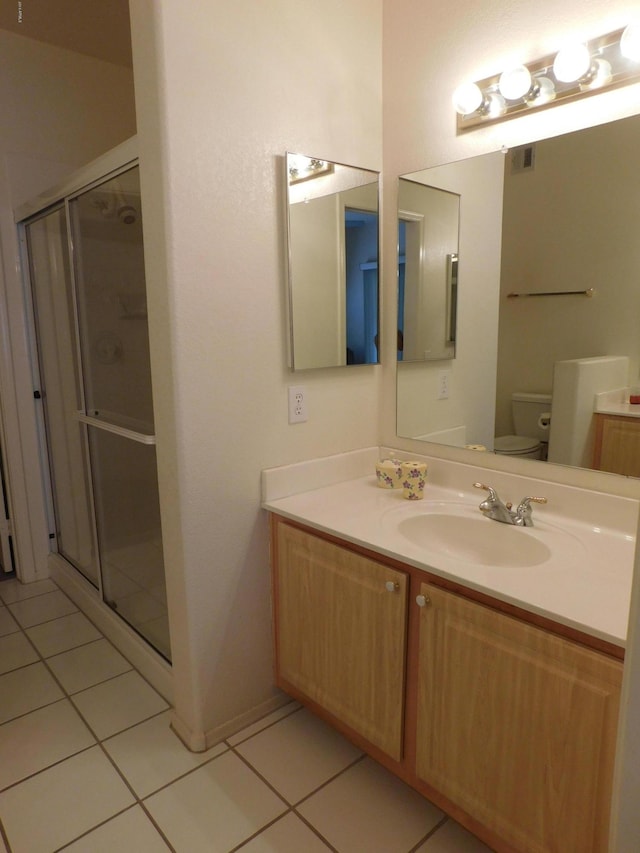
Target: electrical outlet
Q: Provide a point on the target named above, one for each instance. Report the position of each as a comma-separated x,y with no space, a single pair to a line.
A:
444,381
297,404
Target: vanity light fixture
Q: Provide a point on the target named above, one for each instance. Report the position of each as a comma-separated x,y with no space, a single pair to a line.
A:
577,69
303,168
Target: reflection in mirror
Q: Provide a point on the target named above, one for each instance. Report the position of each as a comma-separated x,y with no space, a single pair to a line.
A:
333,239
547,374
427,271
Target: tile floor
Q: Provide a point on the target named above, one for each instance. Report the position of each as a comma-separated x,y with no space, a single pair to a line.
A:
88,763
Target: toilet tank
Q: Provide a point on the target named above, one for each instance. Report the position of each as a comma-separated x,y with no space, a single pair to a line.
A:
526,409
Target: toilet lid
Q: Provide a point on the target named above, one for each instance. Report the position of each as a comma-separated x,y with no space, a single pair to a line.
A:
515,444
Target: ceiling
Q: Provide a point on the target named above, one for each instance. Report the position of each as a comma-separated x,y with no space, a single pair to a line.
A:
98,28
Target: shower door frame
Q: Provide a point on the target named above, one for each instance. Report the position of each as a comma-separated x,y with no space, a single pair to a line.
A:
82,417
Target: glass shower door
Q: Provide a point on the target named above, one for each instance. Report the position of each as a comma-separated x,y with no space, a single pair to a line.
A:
114,345
47,244
107,354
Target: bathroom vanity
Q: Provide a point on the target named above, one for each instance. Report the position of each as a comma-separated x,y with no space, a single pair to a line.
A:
492,689
617,443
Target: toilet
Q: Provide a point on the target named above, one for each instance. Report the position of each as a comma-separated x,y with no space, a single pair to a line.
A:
531,438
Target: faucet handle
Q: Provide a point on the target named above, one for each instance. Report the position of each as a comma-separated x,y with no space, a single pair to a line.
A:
525,502
523,513
492,492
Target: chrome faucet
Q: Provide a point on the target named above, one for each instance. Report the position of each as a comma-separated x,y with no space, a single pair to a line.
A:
492,507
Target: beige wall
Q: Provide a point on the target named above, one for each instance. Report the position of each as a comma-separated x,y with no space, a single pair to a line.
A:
59,110
222,93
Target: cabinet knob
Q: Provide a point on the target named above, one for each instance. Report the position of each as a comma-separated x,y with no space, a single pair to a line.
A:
422,600
392,586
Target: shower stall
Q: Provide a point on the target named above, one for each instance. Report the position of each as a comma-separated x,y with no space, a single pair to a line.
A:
84,263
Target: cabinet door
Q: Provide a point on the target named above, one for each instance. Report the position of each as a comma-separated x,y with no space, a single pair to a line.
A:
516,726
341,634
617,445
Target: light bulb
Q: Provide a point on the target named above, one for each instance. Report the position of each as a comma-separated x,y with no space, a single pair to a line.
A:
630,43
467,98
601,75
543,92
515,83
496,105
571,63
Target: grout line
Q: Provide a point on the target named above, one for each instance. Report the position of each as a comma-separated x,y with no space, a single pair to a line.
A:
31,597
44,621
444,819
328,781
67,697
4,837
315,831
259,831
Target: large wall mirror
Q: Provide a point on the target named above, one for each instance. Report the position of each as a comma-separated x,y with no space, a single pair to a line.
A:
548,314
333,248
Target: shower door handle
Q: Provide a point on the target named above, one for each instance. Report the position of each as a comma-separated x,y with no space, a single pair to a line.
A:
141,437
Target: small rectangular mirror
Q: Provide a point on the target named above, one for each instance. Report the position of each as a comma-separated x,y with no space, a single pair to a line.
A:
333,249
428,225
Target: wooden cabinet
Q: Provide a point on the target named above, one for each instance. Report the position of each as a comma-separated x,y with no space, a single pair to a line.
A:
516,726
341,634
617,445
508,726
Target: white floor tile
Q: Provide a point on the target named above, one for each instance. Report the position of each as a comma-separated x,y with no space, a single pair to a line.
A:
67,799
62,634
119,703
26,689
150,755
287,835
12,590
214,808
315,752
15,651
368,810
452,838
87,665
264,723
42,608
40,739
130,831
7,623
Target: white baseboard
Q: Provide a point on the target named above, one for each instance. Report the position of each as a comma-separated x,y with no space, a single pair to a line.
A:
201,741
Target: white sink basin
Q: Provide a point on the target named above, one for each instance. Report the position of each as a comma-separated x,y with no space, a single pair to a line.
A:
475,540
458,533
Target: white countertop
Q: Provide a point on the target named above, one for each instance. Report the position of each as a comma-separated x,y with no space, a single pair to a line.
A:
626,410
616,402
586,584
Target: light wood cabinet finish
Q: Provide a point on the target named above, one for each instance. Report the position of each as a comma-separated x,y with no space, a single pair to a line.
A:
516,726
617,445
504,719
341,634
